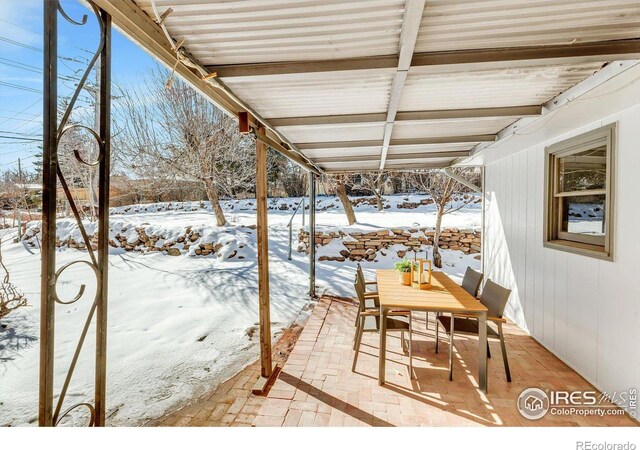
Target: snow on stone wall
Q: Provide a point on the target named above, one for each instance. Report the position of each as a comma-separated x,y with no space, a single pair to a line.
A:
340,245
224,242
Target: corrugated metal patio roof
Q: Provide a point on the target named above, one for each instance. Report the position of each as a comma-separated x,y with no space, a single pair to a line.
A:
394,84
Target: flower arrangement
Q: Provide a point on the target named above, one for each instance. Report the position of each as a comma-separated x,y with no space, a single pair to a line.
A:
404,269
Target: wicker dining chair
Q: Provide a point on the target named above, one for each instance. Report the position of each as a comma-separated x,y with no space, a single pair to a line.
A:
494,297
369,322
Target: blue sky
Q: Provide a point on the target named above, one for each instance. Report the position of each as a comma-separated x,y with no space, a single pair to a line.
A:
21,41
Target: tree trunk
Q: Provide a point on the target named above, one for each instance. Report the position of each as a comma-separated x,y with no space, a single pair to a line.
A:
212,195
378,200
346,203
437,259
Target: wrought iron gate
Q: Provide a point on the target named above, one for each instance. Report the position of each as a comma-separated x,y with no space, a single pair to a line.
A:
50,413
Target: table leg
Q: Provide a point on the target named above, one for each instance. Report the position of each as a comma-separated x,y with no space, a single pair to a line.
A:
382,356
482,351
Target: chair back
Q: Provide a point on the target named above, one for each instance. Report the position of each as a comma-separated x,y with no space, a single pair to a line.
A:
360,275
471,281
495,298
359,294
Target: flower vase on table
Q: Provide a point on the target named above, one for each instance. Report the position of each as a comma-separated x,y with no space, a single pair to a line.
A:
404,272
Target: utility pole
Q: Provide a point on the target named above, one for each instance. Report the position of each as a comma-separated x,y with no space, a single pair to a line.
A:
18,200
93,180
92,187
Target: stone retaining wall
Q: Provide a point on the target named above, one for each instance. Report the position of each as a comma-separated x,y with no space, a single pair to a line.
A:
360,246
138,239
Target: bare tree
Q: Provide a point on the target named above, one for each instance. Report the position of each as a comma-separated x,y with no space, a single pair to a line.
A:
339,183
10,298
79,177
15,193
442,189
294,180
176,133
374,182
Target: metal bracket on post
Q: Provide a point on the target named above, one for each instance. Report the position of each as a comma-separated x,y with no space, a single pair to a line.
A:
290,225
461,180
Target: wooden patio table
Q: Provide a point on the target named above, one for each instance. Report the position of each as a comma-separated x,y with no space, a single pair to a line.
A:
445,296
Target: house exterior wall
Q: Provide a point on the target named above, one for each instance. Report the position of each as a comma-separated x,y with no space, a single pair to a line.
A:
584,310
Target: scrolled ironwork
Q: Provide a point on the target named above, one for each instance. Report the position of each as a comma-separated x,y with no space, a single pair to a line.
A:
97,263
69,19
83,287
76,153
89,406
85,75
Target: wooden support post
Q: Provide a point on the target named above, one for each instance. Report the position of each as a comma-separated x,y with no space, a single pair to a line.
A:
312,235
48,246
103,224
266,364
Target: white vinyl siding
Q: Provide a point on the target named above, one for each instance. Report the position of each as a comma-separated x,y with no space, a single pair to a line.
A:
585,310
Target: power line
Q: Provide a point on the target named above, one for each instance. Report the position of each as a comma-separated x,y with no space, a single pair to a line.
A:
20,66
61,77
20,133
22,150
22,120
21,138
22,88
20,44
14,162
30,68
76,59
16,25
12,132
17,113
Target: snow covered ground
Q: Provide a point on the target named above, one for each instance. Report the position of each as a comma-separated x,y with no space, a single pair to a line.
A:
179,326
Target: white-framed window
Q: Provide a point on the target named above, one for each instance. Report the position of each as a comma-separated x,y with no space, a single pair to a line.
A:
579,174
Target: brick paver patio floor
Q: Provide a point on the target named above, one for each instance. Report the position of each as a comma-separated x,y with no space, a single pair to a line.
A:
232,404
316,386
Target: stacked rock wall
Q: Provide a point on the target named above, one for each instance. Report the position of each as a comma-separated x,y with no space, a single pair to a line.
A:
360,246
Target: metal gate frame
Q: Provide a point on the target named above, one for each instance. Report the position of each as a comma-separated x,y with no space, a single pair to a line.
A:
53,132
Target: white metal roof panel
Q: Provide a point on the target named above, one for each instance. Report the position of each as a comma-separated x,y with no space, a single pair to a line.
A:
392,164
343,132
393,150
315,94
236,32
453,127
491,88
473,24
433,148
243,31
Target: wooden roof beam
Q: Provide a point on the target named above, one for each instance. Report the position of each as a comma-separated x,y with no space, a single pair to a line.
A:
406,116
140,28
479,58
472,139
399,167
393,157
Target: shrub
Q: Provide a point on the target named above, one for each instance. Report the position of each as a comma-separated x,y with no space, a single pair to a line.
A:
403,266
